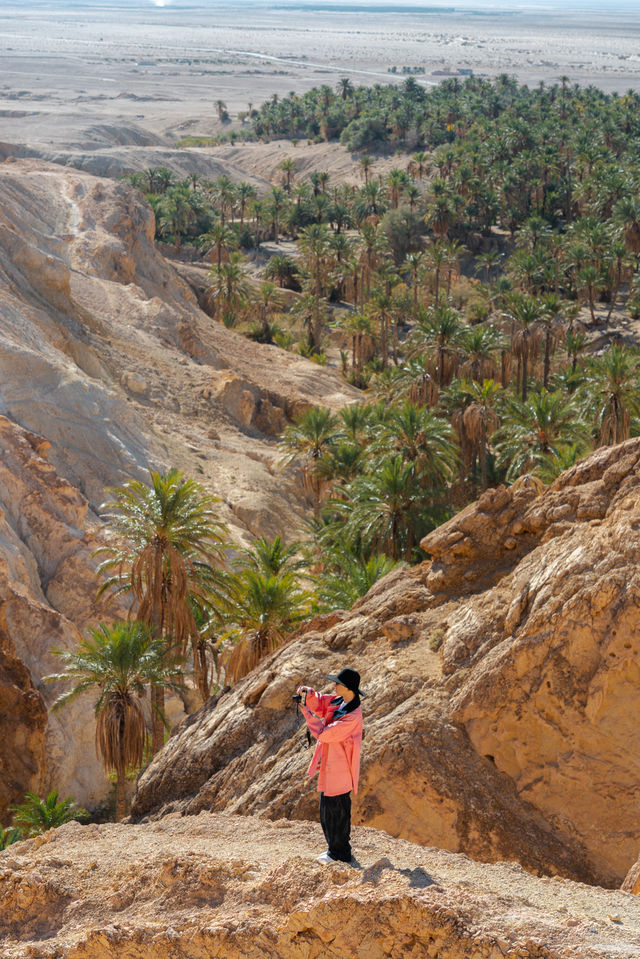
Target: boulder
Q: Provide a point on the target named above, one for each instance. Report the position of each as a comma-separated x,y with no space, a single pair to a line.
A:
500,716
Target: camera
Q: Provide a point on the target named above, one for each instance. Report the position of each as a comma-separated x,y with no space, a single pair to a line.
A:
300,698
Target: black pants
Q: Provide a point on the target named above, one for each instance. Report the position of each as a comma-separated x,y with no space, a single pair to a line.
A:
335,818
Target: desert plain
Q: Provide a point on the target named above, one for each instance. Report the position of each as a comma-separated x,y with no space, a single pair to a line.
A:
90,74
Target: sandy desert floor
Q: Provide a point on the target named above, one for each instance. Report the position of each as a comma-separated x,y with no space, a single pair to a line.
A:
83,74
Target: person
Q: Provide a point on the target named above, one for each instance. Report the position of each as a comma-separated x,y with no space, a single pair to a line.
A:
336,722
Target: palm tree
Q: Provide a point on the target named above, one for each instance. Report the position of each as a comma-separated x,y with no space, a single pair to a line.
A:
487,262
270,556
359,327
626,214
35,815
422,438
9,835
224,194
245,193
481,419
525,314
414,263
436,261
263,608
396,181
175,215
387,510
276,204
220,238
345,88
342,462
288,167
480,344
553,309
118,661
267,300
306,440
419,165
440,328
315,247
163,545
355,420
612,393
365,162
230,287
380,307
282,269
535,432
347,577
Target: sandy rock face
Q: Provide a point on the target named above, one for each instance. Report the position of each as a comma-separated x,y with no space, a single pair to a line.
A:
105,352
231,887
23,719
47,592
106,370
501,714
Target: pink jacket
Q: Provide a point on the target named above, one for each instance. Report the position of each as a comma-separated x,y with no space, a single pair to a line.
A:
337,754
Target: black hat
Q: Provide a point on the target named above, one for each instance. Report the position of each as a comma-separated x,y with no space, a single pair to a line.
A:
349,678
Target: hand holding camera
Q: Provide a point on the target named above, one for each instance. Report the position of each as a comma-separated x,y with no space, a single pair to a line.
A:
301,696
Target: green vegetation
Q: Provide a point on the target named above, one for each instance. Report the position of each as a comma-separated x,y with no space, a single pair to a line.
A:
456,286
165,544
118,661
35,816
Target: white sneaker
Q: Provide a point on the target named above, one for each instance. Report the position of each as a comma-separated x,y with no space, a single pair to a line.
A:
325,859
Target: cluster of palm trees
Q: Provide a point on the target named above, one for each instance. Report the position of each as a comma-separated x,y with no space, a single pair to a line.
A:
459,285
198,618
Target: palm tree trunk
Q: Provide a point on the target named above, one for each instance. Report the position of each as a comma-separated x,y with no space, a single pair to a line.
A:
440,366
121,810
157,726
483,456
384,345
547,357
614,297
524,376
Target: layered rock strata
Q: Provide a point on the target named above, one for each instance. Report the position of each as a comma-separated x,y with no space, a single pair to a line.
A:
502,679
231,887
108,368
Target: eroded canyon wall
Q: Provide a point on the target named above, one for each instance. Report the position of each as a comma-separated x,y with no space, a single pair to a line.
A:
108,368
502,689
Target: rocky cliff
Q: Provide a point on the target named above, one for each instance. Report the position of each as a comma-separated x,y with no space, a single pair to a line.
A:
242,888
502,678
107,366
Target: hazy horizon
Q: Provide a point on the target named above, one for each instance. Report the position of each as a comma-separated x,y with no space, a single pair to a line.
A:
337,6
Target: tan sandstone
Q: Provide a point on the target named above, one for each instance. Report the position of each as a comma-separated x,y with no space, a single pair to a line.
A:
243,888
502,687
108,367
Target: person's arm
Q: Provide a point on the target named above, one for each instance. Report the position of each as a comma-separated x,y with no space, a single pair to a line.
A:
314,709
341,729
318,703
315,724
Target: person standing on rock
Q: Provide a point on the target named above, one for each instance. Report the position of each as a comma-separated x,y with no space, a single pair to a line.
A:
336,722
